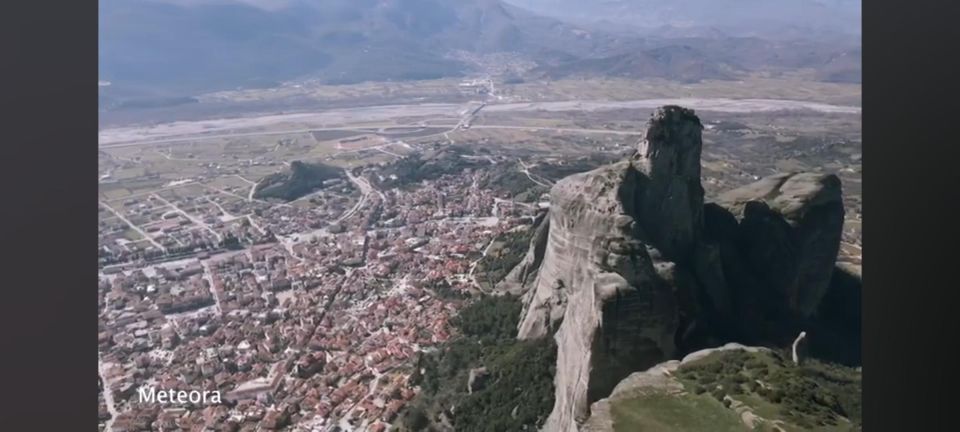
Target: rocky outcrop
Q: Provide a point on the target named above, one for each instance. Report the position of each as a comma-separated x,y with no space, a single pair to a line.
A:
526,270
668,198
790,226
600,288
477,379
631,268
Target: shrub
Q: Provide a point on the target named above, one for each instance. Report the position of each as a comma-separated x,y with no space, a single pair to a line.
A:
718,394
521,377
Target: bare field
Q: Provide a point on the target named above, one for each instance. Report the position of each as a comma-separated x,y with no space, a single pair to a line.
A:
796,86
385,105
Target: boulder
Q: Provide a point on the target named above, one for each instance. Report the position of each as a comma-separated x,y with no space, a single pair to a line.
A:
477,379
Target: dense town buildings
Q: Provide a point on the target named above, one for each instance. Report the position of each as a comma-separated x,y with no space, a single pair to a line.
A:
310,320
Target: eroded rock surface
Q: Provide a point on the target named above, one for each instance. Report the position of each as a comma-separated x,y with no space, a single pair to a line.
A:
789,234
631,268
600,287
526,270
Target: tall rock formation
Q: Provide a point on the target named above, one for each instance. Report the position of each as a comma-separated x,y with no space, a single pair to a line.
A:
789,234
630,268
600,286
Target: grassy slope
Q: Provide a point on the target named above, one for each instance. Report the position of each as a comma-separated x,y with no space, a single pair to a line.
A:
659,412
814,396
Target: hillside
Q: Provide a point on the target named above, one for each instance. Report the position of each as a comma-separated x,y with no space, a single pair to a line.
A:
511,388
770,18
733,389
300,180
692,59
226,44
681,63
429,165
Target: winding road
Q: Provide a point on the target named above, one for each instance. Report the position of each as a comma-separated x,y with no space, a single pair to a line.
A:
524,168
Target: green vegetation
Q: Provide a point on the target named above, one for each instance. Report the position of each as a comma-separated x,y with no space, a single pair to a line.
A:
431,165
231,242
508,250
512,182
558,170
491,319
811,396
657,412
302,179
519,391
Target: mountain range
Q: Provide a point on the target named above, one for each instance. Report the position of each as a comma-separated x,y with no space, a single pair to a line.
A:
762,18
175,48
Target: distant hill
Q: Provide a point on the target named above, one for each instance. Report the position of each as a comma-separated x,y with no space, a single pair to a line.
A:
182,47
737,18
844,66
692,59
429,165
164,50
676,62
300,180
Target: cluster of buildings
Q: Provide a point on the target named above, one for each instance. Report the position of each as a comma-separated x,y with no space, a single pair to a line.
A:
315,334
200,218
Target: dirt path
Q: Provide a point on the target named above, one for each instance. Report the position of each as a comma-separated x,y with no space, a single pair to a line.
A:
134,227
524,168
107,395
192,218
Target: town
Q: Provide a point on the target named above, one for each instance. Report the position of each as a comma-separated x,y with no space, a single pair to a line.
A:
309,312
305,317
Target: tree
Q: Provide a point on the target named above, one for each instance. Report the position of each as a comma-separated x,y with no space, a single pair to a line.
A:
416,418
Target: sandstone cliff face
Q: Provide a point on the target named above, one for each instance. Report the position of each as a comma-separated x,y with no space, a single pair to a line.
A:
526,270
630,268
600,288
789,234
